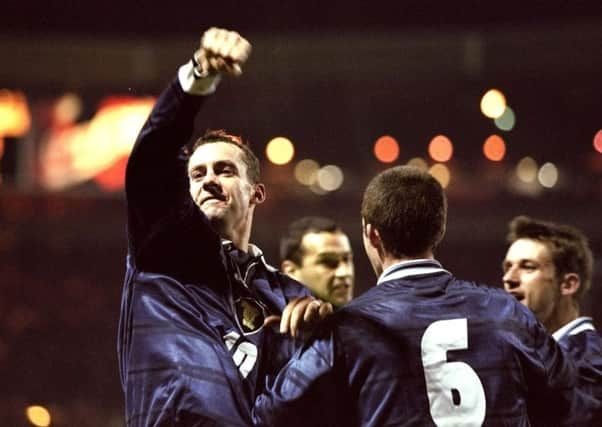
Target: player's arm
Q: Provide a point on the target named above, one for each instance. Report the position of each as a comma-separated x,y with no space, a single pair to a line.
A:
551,376
156,182
306,392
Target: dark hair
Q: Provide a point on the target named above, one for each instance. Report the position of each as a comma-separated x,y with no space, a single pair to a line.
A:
408,207
568,247
290,244
219,135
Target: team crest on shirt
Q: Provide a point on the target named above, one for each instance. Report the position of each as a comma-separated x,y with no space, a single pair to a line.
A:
250,314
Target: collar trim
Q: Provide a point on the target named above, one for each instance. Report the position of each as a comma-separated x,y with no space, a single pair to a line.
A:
574,327
415,267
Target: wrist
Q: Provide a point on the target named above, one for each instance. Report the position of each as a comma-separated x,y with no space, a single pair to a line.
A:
195,84
198,70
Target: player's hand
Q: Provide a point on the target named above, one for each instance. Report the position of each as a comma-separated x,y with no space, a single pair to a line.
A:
221,51
301,314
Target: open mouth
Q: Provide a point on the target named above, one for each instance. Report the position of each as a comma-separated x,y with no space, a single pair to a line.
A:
213,199
343,288
518,296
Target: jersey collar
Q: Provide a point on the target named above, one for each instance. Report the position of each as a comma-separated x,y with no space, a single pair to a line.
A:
412,268
253,251
576,326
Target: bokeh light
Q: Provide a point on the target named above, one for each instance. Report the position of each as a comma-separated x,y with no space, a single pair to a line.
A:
441,148
330,177
113,178
74,153
418,162
494,148
493,103
598,141
441,173
386,149
548,175
306,171
280,150
526,170
15,119
506,121
67,109
38,416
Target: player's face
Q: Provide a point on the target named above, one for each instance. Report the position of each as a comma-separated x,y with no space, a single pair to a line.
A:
327,267
530,276
220,188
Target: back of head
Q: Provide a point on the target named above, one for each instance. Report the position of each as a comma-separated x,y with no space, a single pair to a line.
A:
568,246
408,207
290,244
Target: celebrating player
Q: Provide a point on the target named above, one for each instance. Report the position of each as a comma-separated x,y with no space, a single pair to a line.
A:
548,267
192,336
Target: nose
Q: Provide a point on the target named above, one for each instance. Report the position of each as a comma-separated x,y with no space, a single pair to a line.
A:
210,181
510,278
344,269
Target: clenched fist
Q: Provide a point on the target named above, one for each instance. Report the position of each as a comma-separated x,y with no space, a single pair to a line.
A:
221,52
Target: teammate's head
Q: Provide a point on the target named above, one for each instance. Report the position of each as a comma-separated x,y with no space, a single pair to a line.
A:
547,263
405,209
223,174
316,252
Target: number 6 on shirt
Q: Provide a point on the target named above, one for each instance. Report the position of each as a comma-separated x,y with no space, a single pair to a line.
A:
454,390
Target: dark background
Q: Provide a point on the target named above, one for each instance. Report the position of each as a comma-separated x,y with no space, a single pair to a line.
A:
332,76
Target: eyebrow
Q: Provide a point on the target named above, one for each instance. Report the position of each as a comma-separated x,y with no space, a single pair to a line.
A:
218,164
334,254
522,260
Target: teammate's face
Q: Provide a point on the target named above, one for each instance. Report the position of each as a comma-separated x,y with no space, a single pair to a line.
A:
220,187
530,276
327,267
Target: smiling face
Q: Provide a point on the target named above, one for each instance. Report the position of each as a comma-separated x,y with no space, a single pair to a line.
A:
530,276
326,267
220,187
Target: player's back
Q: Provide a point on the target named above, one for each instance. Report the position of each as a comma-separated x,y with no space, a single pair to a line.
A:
434,350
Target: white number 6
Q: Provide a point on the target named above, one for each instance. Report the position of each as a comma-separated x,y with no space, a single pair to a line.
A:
454,390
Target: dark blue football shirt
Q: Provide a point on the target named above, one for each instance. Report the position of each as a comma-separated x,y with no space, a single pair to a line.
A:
425,349
192,347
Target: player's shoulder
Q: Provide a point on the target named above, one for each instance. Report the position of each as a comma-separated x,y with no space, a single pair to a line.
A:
489,294
585,342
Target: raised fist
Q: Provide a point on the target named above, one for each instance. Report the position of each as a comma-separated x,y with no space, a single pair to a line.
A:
221,51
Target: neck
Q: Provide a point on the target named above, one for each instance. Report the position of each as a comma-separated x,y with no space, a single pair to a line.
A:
239,237
566,312
388,260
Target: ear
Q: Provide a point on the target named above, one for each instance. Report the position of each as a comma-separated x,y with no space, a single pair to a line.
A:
570,284
373,236
259,195
289,267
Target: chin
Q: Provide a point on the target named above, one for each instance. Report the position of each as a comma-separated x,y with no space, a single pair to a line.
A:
214,213
217,219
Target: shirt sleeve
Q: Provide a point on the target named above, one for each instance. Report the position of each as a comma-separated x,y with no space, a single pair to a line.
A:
306,391
585,349
167,232
553,395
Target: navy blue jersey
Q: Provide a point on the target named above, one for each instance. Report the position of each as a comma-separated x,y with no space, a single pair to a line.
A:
584,344
191,344
423,349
